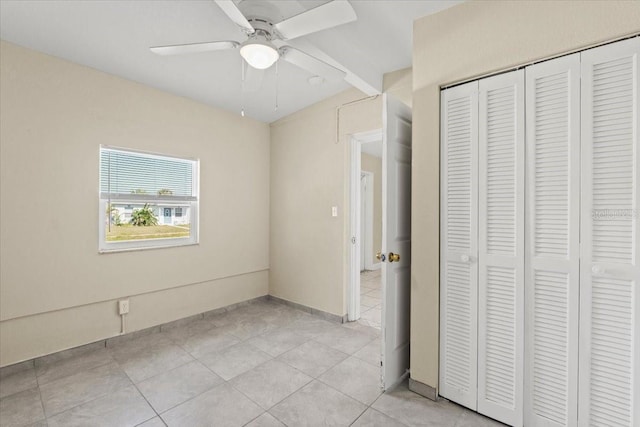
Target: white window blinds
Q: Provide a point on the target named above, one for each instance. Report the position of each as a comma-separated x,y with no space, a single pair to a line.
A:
133,175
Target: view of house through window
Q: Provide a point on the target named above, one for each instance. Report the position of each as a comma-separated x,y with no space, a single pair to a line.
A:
146,200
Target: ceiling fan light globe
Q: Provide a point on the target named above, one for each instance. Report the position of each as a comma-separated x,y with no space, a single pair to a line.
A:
258,54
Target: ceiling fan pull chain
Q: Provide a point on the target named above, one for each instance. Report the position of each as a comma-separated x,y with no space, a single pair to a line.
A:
242,72
276,86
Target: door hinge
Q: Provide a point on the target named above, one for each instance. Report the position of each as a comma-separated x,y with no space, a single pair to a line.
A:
353,240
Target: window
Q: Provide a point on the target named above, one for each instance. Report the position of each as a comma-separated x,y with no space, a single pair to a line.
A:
141,195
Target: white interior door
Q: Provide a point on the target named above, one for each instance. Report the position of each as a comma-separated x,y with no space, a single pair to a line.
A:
459,245
501,247
396,239
552,259
610,268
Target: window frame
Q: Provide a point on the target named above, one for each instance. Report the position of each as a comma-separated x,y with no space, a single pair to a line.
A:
192,203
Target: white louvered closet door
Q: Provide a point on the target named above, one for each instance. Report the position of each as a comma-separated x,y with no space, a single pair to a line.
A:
610,273
459,244
501,247
552,258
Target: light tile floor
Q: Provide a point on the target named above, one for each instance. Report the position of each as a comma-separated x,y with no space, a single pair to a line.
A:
371,298
262,364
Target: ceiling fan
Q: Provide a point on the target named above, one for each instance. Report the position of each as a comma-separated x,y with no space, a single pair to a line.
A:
265,42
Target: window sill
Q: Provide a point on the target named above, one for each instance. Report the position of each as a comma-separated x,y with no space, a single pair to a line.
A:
135,249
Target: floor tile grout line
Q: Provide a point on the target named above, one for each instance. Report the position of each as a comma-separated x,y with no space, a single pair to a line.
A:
248,397
164,371
255,418
374,409
178,404
224,382
328,385
351,397
146,421
292,393
281,400
180,366
235,376
274,416
242,340
193,359
190,399
359,416
87,401
201,393
224,349
44,414
75,372
328,369
20,391
309,382
148,403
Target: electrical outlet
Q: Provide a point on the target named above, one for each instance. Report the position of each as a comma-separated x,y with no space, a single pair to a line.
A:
123,306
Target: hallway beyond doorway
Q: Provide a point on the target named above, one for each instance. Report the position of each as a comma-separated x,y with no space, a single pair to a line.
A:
371,298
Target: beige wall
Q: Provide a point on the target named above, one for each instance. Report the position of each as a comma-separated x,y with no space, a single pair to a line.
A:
399,84
309,175
373,164
464,41
56,291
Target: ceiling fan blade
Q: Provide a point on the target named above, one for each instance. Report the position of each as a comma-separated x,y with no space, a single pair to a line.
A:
331,14
311,64
252,79
181,49
232,11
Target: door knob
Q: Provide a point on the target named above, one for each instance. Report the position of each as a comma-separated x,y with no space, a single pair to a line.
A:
380,256
394,257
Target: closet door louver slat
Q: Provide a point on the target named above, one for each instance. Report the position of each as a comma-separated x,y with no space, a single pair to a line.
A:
610,273
501,247
459,233
552,259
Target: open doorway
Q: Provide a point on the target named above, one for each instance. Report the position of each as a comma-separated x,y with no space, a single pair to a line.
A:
370,231
365,299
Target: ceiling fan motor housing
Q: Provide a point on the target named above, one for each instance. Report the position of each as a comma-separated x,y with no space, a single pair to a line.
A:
258,50
262,27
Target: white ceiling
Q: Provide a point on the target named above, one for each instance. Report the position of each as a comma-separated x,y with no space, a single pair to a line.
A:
115,36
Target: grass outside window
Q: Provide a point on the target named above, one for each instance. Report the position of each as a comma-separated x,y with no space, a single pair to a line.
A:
131,232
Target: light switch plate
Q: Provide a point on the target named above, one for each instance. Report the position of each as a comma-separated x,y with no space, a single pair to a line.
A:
334,211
